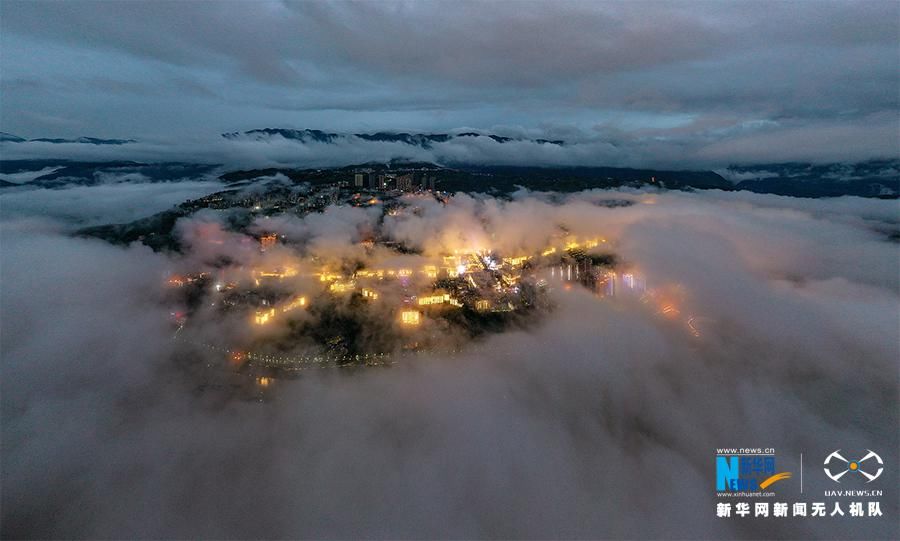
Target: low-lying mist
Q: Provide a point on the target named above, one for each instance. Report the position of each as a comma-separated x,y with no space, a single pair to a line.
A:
599,420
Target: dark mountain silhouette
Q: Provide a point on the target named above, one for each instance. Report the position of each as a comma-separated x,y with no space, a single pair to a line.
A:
422,140
10,138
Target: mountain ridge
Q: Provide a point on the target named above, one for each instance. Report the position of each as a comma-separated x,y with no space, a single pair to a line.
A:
422,140
11,138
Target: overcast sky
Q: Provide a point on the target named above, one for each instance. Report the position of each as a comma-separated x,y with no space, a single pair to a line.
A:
721,78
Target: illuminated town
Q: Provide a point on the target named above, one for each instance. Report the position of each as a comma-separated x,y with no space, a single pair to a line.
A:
388,303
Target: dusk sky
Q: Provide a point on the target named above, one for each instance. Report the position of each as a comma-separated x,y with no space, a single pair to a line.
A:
719,79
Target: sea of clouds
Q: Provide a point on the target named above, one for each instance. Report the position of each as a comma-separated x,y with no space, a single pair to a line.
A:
600,421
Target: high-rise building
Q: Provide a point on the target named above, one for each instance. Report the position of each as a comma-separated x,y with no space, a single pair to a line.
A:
404,183
359,180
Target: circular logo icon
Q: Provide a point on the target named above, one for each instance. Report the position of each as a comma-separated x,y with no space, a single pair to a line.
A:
836,466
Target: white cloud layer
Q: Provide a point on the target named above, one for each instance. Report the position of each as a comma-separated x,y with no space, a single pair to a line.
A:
599,422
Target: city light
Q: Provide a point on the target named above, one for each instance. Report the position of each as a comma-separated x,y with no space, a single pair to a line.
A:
369,294
342,287
325,276
264,316
490,282
434,299
410,317
515,261
286,272
267,241
297,302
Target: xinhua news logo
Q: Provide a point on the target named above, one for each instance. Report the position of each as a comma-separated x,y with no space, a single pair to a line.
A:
746,470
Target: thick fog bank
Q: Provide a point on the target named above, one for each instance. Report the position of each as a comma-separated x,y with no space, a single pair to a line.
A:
602,421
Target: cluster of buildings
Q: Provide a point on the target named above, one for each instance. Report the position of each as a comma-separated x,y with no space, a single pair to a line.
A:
409,181
597,277
365,187
480,287
481,281
275,198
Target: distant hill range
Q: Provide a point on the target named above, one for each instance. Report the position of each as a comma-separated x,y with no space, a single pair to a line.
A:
875,178
10,138
868,179
422,140
61,173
